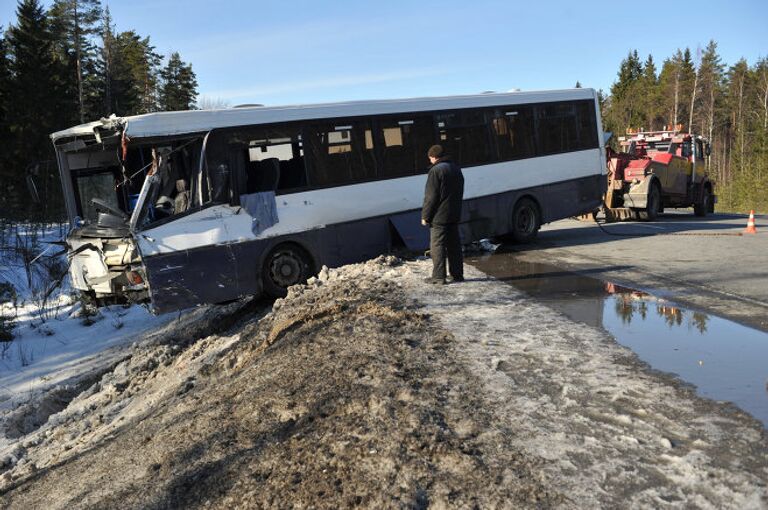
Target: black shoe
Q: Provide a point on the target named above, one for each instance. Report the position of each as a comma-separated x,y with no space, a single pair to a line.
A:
435,281
454,279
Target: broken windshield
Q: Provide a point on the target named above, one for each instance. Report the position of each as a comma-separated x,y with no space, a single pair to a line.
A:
99,185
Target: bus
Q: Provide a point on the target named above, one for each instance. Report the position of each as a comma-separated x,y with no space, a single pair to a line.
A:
206,206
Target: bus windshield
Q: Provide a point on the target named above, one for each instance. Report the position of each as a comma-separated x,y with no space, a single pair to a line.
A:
100,185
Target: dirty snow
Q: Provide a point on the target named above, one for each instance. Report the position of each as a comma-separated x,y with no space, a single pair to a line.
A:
367,387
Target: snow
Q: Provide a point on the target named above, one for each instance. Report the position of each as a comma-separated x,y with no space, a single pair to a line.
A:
50,352
54,345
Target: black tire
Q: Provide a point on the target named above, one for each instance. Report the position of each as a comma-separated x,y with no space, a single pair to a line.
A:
526,221
652,208
702,208
286,265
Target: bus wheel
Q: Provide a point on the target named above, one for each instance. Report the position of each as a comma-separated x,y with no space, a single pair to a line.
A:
286,265
525,221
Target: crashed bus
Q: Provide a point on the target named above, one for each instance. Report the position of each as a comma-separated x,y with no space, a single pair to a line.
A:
182,208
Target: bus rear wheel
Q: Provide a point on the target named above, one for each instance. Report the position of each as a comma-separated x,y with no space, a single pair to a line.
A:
286,265
526,221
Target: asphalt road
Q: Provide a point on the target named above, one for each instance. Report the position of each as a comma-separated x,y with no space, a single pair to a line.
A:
699,262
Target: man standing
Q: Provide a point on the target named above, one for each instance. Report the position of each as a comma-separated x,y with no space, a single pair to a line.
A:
441,212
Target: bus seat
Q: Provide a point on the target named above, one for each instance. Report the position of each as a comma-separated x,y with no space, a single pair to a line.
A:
292,174
270,169
263,175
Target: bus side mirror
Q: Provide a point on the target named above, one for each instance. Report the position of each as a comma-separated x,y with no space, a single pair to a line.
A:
708,149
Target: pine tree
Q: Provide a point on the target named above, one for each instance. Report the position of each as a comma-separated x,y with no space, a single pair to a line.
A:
761,75
711,76
5,78
134,69
629,72
626,97
738,78
670,80
687,87
651,99
106,62
760,72
179,88
6,176
73,24
36,90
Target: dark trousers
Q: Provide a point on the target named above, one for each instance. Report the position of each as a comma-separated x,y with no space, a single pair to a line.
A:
444,241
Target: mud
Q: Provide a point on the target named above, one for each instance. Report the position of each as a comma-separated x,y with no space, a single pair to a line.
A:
367,388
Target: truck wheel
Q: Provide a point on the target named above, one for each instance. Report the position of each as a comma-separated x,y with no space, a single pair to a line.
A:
286,265
525,221
702,208
651,211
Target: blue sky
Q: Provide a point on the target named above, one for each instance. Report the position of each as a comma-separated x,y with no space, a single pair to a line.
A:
278,52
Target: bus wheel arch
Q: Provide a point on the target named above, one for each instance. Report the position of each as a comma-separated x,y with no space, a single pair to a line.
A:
526,219
285,264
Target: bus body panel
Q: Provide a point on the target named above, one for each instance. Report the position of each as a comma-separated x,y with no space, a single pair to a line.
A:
221,272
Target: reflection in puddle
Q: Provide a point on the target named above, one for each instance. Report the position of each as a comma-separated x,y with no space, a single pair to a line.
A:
724,360
630,303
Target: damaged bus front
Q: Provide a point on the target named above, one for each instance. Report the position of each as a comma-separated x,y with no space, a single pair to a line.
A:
116,189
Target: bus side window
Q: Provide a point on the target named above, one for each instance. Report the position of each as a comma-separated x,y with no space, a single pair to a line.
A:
341,152
404,145
273,158
513,132
465,135
557,128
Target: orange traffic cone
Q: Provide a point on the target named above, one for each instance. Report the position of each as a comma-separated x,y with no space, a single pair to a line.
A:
751,224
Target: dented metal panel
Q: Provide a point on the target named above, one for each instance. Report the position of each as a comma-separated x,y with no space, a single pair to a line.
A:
413,234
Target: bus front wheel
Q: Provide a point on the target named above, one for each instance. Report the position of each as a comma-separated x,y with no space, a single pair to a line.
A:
286,265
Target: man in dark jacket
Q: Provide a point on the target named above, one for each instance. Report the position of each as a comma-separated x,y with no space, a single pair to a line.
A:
441,212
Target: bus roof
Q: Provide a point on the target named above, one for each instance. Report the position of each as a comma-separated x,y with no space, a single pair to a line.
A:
200,121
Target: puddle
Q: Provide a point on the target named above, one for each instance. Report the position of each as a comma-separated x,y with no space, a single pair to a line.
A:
723,359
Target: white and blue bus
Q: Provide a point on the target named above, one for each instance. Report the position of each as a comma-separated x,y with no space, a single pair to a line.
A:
181,208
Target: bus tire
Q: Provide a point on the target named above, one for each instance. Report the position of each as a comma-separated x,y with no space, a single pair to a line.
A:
286,265
526,221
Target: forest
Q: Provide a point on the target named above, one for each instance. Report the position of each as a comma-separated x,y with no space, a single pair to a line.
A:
726,104
63,66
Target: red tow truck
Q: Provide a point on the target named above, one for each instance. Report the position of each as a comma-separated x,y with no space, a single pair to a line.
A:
658,169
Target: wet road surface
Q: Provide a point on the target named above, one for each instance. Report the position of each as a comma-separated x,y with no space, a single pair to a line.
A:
724,360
